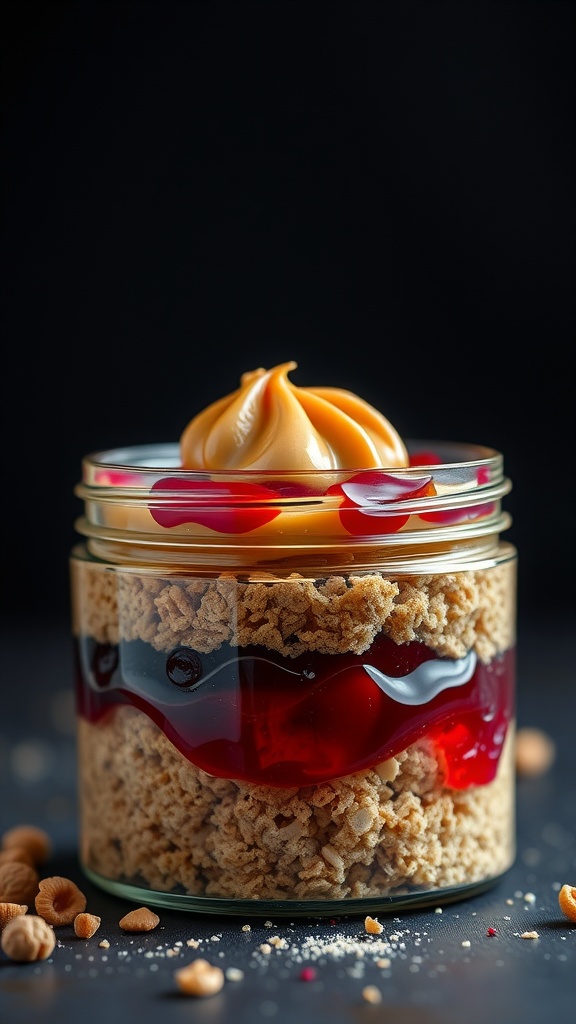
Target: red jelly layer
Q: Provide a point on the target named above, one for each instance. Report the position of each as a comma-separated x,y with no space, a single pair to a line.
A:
253,715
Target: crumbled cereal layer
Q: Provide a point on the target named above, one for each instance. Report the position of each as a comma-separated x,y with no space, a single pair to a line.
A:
152,818
451,613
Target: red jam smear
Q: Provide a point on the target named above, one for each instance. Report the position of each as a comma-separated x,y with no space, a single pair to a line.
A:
250,714
244,507
223,507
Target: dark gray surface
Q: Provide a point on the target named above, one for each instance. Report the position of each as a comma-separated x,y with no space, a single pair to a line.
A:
434,976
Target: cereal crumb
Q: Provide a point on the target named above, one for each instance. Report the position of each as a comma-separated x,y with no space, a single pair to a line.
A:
373,926
567,901
438,910
199,978
141,920
27,938
529,897
466,943
535,751
529,935
265,947
246,928
192,943
360,837
371,994
234,974
59,900
86,925
104,944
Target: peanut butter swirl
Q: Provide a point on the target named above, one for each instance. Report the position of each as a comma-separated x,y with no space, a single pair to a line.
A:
270,424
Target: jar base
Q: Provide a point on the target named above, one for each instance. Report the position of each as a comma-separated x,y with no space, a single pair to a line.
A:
289,908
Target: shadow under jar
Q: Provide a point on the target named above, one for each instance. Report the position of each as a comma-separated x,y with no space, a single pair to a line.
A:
295,691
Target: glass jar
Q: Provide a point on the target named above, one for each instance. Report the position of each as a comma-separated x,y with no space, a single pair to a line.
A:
296,691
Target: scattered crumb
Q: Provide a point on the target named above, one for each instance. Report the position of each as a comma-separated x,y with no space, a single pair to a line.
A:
371,994
199,978
535,752
466,943
234,974
86,925
373,926
529,935
104,944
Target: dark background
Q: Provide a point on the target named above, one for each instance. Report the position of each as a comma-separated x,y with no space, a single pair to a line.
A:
381,191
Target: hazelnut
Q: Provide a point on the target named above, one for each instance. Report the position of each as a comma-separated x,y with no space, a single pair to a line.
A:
27,937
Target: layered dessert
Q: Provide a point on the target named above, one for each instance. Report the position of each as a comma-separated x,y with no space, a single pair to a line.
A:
294,641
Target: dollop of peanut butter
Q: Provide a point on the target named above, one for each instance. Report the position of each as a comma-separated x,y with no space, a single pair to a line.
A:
270,424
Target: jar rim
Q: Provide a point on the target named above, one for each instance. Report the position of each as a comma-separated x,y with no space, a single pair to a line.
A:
141,496
160,458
